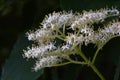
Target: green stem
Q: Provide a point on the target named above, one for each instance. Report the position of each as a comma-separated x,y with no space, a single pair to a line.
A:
76,62
97,71
100,47
81,54
96,53
62,64
90,64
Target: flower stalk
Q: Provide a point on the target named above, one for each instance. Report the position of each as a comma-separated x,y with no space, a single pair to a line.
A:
90,64
62,34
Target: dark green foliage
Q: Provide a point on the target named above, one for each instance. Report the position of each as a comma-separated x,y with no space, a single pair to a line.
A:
17,67
54,74
70,72
117,72
79,5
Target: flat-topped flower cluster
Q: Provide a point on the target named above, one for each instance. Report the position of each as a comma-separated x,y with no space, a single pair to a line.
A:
61,32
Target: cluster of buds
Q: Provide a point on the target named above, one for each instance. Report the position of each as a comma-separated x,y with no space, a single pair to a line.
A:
61,32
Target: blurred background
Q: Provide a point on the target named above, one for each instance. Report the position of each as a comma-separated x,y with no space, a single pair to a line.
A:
19,16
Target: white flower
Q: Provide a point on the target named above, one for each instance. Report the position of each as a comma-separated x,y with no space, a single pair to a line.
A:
50,21
51,18
66,19
65,47
112,30
39,51
32,52
61,32
87,30
71,39
46,62
31,36
113,12
93,17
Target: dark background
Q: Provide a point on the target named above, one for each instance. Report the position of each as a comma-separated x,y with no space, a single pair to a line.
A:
19,16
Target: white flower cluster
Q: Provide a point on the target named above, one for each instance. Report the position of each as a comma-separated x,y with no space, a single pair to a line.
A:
72,30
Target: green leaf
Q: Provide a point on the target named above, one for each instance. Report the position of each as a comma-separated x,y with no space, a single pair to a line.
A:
79,5
108,58
117,73
112,51
54,74
17,67
70,72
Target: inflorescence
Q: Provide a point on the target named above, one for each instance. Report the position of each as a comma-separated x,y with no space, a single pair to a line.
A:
61,32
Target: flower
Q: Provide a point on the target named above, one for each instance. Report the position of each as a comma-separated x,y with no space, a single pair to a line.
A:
108,32
46,62
61,32
39,51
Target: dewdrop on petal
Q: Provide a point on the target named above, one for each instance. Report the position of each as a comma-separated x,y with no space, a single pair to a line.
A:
61,32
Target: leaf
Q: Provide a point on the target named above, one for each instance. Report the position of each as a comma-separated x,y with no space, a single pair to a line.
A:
112,51
79,5
70,72
16,67
108,58
117,73
54,74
